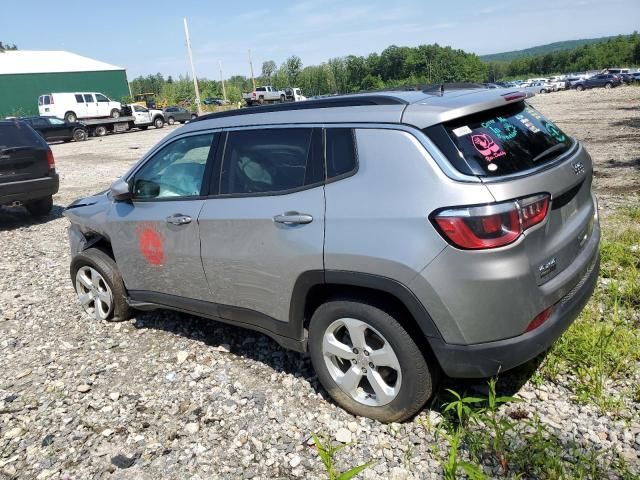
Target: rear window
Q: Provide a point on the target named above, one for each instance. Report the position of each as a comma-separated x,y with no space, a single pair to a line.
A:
501,141
17,134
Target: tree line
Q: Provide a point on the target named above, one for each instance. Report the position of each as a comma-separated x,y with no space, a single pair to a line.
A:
8,46
396,67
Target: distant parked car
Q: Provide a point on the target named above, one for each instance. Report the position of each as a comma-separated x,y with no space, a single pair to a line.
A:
606,80
629,77
54,129
215,101
72,106
175,114
537,87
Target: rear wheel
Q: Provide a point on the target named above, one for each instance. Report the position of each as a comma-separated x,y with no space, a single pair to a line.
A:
261,100
100,131
608,85
99,286
70,117
79,135
282,98
171,121
368,362
115,113
40,207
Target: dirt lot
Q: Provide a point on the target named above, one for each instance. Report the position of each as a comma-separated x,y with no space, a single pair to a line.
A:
171,396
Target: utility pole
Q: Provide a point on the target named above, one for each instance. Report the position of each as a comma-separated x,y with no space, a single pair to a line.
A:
224,91
193,69
253,80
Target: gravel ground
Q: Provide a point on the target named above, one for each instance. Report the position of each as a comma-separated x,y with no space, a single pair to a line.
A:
167,395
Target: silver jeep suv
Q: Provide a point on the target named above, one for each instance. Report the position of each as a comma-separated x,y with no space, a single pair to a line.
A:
393,236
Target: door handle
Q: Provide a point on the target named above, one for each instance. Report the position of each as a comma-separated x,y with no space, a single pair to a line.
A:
178,219
293,218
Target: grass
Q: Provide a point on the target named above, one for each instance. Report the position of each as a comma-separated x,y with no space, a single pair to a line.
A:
327,451
603,346
479,435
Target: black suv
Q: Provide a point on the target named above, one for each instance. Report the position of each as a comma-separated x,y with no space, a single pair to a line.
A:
27,169
606,80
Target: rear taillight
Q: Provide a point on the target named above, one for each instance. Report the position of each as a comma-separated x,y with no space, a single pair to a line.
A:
493,225
540,319
50,160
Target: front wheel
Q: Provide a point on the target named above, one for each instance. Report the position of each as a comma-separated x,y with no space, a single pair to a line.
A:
40,207
115,113
99,286
158,122
579,88
368,362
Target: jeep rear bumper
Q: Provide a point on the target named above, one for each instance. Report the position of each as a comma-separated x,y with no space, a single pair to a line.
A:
484,360
26,190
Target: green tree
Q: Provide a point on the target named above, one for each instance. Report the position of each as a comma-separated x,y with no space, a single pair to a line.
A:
7,47
292,67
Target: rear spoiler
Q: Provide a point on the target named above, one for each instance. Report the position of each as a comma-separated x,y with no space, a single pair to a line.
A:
435,110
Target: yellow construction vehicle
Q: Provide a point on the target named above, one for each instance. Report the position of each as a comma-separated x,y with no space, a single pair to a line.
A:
149,100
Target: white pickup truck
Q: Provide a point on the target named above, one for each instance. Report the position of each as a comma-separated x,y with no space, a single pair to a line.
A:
262,95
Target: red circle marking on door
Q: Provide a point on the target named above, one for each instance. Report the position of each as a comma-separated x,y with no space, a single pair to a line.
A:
151,245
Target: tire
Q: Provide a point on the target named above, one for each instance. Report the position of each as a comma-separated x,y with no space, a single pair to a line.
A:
109,281
579,88
608,85
282,98
261,100
100,131
194,116
413,382
115,113
543,91
171,121
70,117
158,122
79,135
40,207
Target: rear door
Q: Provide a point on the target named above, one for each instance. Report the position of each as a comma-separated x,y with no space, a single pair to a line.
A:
23,153
80,107
91,105
156,236
265,227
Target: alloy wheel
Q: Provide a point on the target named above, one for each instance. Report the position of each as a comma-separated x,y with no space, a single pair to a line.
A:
361,362
94,293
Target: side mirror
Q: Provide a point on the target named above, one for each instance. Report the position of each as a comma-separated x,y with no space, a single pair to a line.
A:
120,190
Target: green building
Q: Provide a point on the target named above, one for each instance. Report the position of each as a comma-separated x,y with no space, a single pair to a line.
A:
27,74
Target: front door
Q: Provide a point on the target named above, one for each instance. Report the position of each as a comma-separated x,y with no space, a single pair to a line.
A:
266,225
156,236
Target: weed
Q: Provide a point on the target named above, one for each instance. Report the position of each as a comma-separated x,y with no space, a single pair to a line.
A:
327,451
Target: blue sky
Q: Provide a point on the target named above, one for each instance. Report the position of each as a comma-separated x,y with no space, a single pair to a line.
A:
147,36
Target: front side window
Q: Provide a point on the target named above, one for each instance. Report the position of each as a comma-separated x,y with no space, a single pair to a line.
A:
177,170
340,152
271,160
101,98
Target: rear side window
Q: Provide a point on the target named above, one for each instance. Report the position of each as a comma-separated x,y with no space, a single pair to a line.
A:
18,134
340,152
273,160
502,141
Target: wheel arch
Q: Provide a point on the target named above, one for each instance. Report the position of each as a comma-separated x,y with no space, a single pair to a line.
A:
316,287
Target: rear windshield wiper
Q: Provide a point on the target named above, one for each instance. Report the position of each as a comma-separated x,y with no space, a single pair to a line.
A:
548,152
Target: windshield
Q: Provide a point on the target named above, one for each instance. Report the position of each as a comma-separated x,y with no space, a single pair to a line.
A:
500,141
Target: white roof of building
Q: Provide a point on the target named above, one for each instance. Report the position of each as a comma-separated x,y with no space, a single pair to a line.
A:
37,61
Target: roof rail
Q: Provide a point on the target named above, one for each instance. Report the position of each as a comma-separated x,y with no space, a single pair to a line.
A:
431,88
359,100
